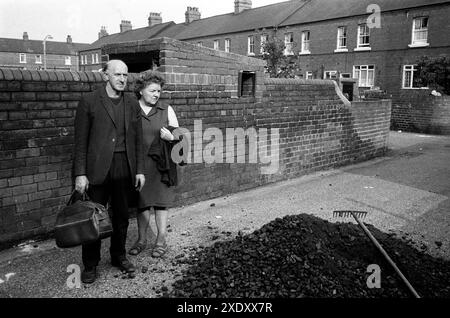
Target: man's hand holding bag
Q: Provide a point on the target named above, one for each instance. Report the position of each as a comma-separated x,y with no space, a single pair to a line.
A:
81,221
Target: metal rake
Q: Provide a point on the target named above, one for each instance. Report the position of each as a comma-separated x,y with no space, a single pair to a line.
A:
362,214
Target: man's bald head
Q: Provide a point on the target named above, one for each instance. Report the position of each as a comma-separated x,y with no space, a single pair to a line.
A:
113,64
116,73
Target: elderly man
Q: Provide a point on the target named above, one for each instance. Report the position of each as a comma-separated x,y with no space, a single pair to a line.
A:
108,160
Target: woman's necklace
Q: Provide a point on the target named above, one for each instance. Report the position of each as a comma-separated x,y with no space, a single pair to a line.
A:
145,108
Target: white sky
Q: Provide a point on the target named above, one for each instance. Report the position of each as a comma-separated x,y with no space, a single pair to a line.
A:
82,19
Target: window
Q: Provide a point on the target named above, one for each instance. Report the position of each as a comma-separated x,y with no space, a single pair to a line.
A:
68,61
22,58
330,75
305,42
38,59
409,78
96,58
365,75
420,32
363,36
309,75
200,43
289,43
251,45
264,39
341,39
85,59
216,44
227,45
345,75
93,59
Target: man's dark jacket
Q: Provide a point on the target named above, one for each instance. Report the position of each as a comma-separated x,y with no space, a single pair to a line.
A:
95,136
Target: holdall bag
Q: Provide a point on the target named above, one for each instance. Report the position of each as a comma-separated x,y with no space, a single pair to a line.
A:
105,228
81,222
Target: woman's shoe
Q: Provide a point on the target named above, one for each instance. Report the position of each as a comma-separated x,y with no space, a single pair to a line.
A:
137,248
160,250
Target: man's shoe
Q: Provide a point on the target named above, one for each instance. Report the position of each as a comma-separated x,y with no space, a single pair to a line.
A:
123,264
89,275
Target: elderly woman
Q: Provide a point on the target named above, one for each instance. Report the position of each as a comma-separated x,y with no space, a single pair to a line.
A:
156,118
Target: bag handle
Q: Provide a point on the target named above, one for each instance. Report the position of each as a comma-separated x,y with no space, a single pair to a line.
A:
84,197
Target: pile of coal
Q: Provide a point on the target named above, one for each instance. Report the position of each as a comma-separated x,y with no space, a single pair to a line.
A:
305,256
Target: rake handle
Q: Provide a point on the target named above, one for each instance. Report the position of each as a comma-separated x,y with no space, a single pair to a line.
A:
381,249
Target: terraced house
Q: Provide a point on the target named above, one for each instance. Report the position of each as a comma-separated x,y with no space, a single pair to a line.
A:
339,38
26,54
376,44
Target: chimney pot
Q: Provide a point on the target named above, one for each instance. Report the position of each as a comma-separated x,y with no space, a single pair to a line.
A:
192,14
125,25
102,32
154,19
241,5
25,36
69,39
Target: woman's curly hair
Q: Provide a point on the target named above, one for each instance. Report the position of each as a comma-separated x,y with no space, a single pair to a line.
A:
146,78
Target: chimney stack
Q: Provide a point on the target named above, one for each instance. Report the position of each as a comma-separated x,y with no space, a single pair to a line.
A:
69,39
241,5
25,36
102,32
192,14
125,25
154,18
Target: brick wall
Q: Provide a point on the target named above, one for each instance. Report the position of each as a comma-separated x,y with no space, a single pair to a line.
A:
418,111
316,131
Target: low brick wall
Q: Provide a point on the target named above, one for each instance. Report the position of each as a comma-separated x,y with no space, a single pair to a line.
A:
419,111
316,131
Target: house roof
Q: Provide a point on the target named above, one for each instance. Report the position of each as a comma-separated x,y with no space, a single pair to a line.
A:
36,46
319,10
131,35
257,18
279,14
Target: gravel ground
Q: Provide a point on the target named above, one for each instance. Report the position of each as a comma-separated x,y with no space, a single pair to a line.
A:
405,195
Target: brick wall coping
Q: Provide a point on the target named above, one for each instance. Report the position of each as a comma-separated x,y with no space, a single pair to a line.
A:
297,81
7,74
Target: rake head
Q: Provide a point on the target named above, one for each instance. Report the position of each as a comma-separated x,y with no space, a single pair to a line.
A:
348,213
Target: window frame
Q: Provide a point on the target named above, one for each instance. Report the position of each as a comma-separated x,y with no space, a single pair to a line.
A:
309,75
363,46
251,45
368,68
67,60
305,47
216,45
38,59
200,43
289,46
264,38
335,73
339,37
413,69
227,45
415,42
22,58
